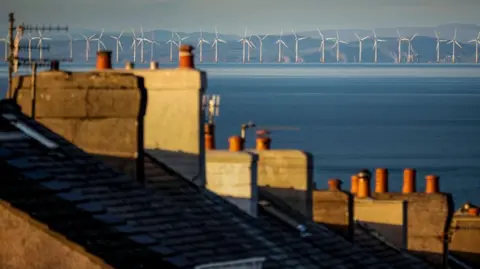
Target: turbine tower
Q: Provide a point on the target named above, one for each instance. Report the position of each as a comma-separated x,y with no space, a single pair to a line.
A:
201,41
250,46
280,43
454,43
134,45
172,42
40,39
99,41
5,46
477,41
70,46
260,40
438,45
400,39
322,45
118,44
297,39
87,45
29,47
215,44
409,41
337,44
360,46
375,46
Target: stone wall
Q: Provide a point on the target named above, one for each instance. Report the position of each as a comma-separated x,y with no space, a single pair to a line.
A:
465,239
334,209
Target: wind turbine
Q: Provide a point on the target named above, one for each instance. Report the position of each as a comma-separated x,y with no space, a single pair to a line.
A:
70,46
245,42
337,44
99,41
322,45
118,43
172,42
87,45
375,45
297,39
477,41
29,47
141,41
250,46
200,44
360,46
260,40
40,39
215,44
454,42
438,45
134,45
153,42
280,43
400,39
180,39
409,40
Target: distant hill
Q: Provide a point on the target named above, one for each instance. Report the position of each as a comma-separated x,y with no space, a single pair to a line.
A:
423,45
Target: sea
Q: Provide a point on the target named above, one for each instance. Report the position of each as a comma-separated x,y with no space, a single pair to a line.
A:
356,116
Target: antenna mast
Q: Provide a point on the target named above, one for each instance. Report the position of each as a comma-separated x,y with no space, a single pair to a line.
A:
14,60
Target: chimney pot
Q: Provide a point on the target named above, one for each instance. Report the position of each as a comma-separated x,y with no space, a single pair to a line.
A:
209,129
363,183
334,184
129,66
235,143
185,57
381,180
153,65
354,184
104,59
409,176
473,211
54,65
263,143
431,184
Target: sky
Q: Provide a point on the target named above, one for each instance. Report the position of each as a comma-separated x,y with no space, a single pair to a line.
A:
231,16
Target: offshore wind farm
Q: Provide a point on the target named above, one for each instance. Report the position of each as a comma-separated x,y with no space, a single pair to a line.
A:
286,46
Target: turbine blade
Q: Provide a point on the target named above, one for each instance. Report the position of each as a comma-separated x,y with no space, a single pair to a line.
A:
357,36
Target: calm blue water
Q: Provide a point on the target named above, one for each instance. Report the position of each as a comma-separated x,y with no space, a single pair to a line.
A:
360,116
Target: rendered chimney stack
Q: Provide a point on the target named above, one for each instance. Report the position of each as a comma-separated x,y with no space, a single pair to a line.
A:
235,143
354,184
263,141
129,66
209,136
185,57
409,184
381,180
431,185
104,59
363,184
153,65
334,184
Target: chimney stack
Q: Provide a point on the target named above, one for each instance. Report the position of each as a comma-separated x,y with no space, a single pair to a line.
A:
409,184
431,184
381,180
185,57
235,143
363,184
104,59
